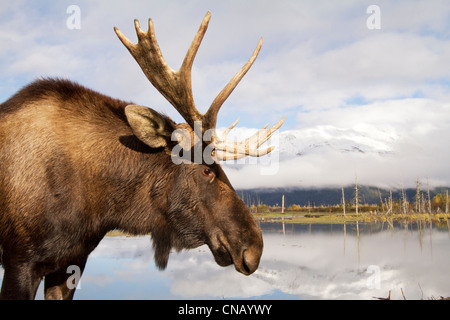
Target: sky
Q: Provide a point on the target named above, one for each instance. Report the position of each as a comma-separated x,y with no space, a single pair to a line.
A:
339,64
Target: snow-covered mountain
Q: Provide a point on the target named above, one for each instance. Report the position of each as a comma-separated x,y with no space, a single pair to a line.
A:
362,139
329,156
365,139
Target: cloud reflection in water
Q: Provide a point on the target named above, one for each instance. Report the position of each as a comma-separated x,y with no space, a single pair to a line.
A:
300,265
321,265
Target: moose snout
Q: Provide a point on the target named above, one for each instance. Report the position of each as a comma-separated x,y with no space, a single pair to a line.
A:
250,259
251,255
244,256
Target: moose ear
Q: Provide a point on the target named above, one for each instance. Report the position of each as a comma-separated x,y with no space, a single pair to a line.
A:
149,126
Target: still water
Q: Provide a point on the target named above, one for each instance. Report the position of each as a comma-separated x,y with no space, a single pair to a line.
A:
299,262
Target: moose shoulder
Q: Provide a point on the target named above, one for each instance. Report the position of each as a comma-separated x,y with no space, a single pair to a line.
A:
75,164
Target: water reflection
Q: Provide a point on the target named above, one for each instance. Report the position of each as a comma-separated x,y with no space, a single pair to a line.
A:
343,262
306,262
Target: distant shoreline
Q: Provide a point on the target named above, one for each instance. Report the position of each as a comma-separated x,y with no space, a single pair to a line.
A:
339,218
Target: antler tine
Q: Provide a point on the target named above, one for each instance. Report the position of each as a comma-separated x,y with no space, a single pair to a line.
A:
192,52
227,130
211,114
226,150
189,111
127,43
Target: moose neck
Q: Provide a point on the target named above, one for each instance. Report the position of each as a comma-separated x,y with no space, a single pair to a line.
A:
140,193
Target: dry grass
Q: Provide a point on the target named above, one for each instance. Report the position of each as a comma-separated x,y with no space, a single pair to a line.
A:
338,218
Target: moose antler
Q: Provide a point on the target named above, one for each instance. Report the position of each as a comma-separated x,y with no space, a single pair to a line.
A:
232,150
176,87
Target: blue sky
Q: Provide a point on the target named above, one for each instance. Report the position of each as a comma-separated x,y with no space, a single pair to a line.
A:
319,64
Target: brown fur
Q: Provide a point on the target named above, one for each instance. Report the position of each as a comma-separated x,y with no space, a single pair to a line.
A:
71,170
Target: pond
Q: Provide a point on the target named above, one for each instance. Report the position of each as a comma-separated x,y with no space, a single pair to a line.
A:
299,262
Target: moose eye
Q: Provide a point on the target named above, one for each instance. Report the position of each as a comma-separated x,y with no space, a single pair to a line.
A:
207,172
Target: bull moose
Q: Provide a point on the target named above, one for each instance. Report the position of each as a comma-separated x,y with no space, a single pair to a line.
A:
75,164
